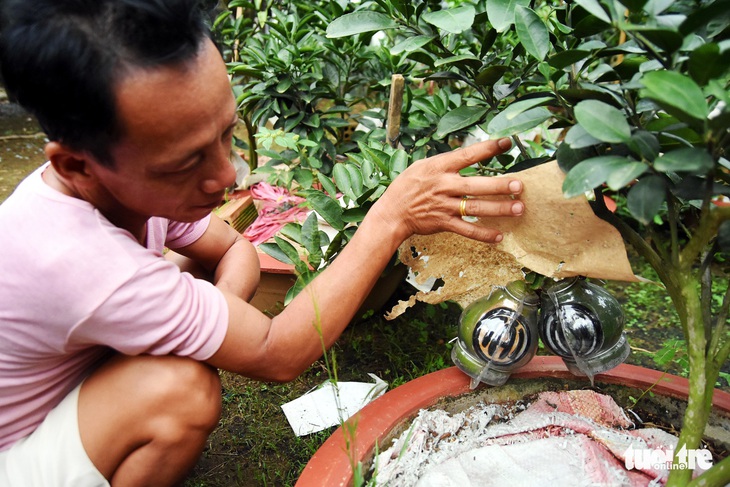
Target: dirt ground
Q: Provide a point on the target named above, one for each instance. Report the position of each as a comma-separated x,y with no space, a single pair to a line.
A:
21,146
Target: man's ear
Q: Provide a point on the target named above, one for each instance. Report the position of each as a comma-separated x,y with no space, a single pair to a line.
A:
71,166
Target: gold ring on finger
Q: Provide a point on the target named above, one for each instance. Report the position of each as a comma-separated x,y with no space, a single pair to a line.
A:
462,207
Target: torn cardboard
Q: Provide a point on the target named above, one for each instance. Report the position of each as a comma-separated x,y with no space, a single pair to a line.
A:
555,237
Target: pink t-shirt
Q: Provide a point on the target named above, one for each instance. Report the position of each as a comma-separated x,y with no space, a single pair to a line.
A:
73,287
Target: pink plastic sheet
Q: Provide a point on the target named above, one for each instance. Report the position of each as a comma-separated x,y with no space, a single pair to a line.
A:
276,207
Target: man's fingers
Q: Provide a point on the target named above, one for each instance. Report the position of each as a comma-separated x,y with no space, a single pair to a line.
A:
486,208
465,157
483,186
476,232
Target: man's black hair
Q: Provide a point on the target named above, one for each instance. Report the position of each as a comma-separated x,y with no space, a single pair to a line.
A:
61,59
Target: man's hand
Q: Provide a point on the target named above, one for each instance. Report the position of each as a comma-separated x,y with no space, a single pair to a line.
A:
427,197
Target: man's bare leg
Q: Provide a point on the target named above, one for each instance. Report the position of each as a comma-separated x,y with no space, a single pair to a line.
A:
145,420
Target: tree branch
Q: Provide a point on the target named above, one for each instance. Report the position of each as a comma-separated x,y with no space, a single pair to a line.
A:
718,475
706,230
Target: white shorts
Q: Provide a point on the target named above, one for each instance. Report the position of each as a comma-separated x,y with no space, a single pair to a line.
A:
53,454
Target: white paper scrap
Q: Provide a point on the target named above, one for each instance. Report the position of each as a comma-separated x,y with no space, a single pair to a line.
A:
330,404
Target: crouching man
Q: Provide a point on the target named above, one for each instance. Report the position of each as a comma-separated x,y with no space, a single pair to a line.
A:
108,352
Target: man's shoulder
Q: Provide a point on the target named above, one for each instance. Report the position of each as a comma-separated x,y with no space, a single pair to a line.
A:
63,248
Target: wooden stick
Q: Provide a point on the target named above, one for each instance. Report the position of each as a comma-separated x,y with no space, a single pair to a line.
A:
395,107
239,13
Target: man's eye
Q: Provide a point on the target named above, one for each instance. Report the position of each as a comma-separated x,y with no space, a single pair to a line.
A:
187,167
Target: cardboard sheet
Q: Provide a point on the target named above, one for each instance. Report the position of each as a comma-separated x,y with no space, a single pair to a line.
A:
555,237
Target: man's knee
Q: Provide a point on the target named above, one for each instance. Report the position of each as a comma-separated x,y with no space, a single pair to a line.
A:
164,386
187,386
137,410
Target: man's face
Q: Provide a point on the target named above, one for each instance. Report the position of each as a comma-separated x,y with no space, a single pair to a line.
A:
173,157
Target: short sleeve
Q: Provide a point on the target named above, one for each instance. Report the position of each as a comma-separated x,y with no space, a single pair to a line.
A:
181,234
158,311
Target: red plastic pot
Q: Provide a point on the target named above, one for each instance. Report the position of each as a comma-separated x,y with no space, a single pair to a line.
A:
330,465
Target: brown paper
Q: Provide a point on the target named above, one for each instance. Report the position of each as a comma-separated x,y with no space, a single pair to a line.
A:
555,237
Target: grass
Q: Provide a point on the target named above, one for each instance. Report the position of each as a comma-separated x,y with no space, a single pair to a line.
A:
254,445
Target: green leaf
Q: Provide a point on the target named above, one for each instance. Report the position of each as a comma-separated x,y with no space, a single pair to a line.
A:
293,122
644,144
453,20
625,173
446,75
358,23
283,85
706,63
355,179
328,208
518,107
398,163
705,15
688,159
307,143
576,95
292,231
458,119
591,173
490,75
304,177
291,252
342,178
311,240
589,26
594,8
335,122
269,153
532,32
467,59
603,121
567,58
275,251
411,44
501,13
379,157
645,198
501,126
578,138
354,215
667,40
569,157
370,176
312,121
424,105
305,277
677,91
327,184
668,351
334,247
